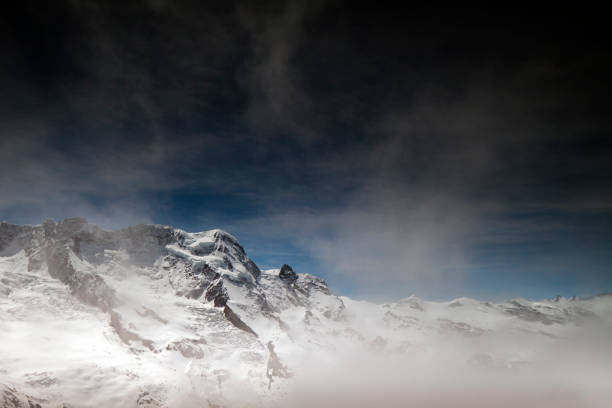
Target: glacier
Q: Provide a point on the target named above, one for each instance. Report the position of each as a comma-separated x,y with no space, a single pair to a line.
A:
154,316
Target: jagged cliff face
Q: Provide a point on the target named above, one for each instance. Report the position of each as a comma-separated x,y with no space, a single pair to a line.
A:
206,266
152,291
155,316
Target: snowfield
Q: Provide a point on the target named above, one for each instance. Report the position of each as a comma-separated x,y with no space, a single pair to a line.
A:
152,316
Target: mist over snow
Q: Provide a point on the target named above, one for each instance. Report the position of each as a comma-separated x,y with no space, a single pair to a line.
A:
154,316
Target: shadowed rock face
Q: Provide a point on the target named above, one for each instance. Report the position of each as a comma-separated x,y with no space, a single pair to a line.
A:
14,238
287,274
532,314
12,398
146,400
275,368
236,321
227,244
217,293
52,243
87,287
144,243
126,335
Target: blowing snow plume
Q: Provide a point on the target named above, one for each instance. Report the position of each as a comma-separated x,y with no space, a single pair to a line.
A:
156,316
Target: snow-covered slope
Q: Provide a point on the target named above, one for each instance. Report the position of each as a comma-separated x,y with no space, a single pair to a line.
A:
156,316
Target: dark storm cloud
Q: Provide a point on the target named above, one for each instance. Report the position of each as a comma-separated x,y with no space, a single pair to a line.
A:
428,148
109,101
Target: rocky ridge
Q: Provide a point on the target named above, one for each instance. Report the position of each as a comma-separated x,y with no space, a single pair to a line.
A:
140,305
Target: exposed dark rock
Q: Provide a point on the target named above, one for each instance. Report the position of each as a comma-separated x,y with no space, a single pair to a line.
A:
14,238
87,287
145,243
12,398
217,293
126,335
146,400
287,274
308,284
252,268
531,314
275,368
236,321
224,240
265,306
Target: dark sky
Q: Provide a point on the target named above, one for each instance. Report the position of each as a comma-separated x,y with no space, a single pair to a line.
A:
389,151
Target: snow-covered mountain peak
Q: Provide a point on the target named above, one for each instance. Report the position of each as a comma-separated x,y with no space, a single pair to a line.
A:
205,242
168,316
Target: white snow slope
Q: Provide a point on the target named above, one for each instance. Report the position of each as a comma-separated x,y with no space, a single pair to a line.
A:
153,316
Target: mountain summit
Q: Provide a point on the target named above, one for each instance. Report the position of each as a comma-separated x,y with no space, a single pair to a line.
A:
152,315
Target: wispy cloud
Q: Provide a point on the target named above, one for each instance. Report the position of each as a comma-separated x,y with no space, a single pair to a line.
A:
416,147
